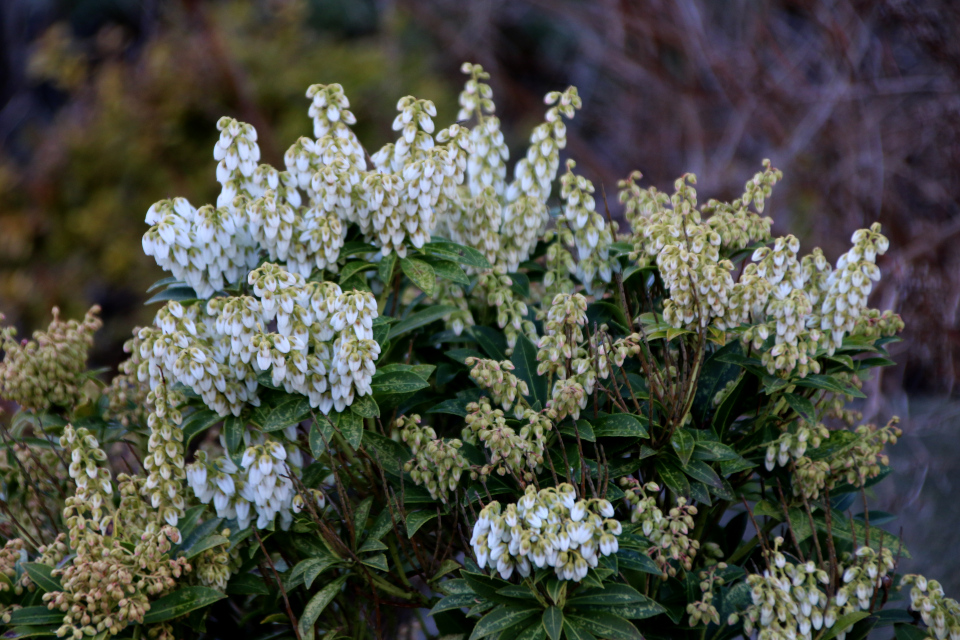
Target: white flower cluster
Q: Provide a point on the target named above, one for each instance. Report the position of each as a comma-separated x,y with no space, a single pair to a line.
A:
549,528
259,486
322,348
593,236
788,601
940,613
526,214
210,246
84,511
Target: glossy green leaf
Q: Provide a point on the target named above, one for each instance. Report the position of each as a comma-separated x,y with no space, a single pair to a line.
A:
502,618
354,267
198,422
673,477
40,574
553,622
493,342
181,602
420,319
36,616
802,406
179,294
209,542
290,411
351,428
574,632
317,604
683,443
829,383
620,425
636,561
420,273
605,625
417,519
450,271
321,434
525,364
391,455
699,470
457,253
378,562
455,601
365,407
233,428
385,268
398,382
844,623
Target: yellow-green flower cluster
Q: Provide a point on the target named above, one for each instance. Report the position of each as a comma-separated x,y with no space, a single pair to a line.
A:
493,289
670,532
437,463
506,389
164,460
49,369
940,613
510,452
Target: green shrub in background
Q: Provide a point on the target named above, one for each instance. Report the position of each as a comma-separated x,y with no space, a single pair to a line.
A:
138,124
399,395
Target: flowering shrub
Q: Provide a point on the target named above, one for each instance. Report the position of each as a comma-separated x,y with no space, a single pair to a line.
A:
397,395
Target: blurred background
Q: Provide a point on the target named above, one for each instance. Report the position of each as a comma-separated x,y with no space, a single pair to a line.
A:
107,106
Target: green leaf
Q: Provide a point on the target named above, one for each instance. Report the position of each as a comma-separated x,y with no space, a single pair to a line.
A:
727,412
533,632
450,271
351,427
520,284
365,407
360,516
446,567
40,574
701,471
420,273
321,434
390,454
354,267
501,618
829,383
180,294
605,625
909,632
607,313
553,622
451,406
455,601
611,594
398,382
181,602
636,561
802,406
420,319
417,519
164,282
29,631
714,376
247,584
581,429
317,604
576,633
385,268
456,253
620,425
844,623
198,422
36,615
354,247
524,360
491,341
233,428
378,562
673,477
714,451
209,542
683,443
290,411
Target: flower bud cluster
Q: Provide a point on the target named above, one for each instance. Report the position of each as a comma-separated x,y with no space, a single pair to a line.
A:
787,601
85,511
127,395
546,528
212,566
506,389
437,463
48,370
670,532
940,613
486,162
510,452
452,294
563,334
493,289
792,444
12,554
526,214
260,485
330,110
164,460
704,610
